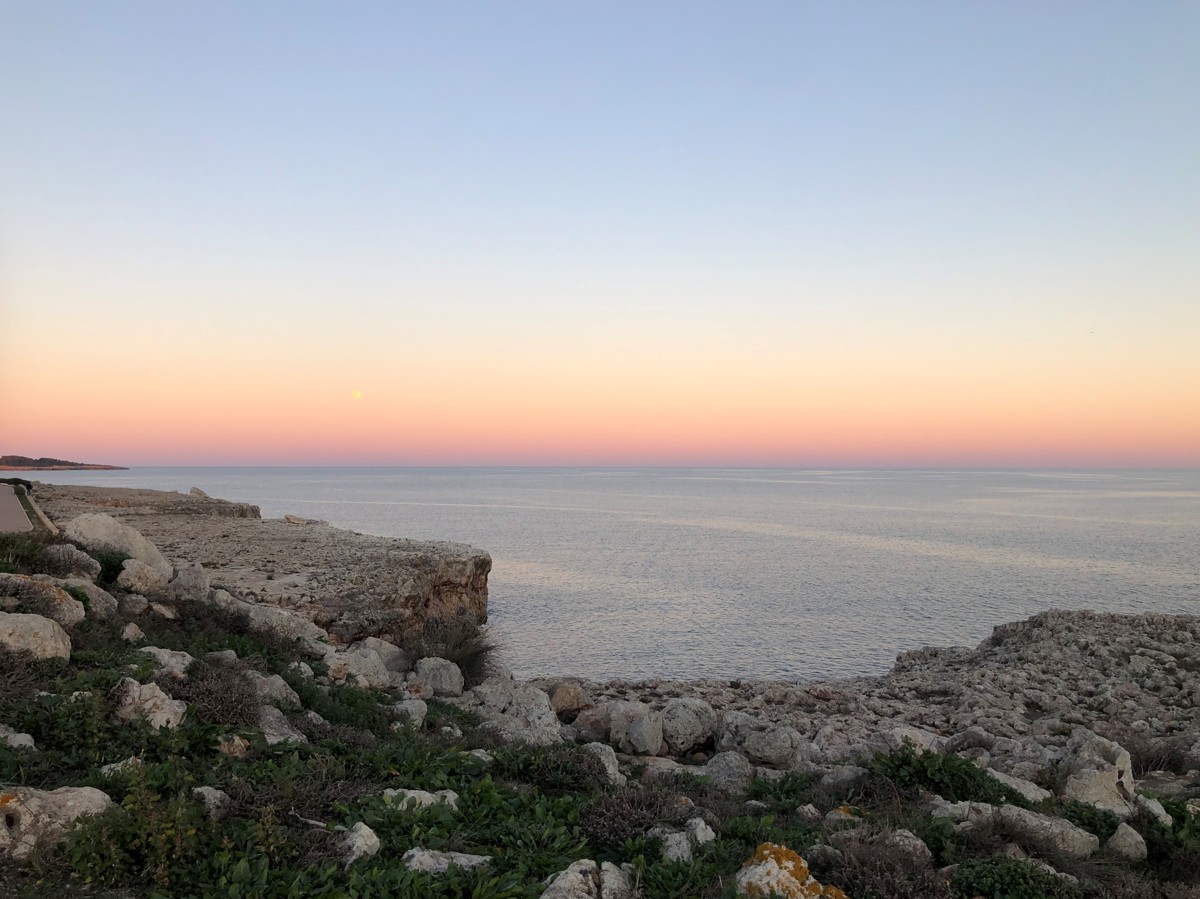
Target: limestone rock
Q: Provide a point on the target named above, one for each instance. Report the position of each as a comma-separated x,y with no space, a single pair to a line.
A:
432,862
360,842
443,676
687,724
19,592
1154,809
276,728
272,619
775,870
103,533
593,725
780,747
272,689
415,799
411,710
99,602
40,637
393,657
729,771
191,583
12,738
1127,844
163,611
515,711
585,879
635,728
114,768
608,759
568,698
37,819
1099,773
234,746
170,661
131,633
1046,834
136,700
132,605
138,577
70,562
359,666
215,801
1029,790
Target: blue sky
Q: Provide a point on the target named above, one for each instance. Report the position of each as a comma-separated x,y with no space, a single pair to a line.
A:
316,171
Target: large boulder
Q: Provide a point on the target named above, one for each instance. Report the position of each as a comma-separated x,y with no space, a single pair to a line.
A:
728,771
358,665
99,602
34,634
635,728
394,658
1098,772
687,724
171,662
585,879
103,533
594,724
19,592
191,583
442,676
608,759
271,689
568,698
1127,845
136,701
31,820
515,711
138,577
777,746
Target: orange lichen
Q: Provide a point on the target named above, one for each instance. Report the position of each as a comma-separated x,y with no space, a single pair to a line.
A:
7,799
777,870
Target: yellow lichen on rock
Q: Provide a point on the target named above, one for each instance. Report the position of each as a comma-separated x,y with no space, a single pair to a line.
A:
777,870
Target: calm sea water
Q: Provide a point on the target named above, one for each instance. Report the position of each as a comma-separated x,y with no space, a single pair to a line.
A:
789,574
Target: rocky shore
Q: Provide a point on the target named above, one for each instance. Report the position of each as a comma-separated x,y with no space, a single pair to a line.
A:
1060,756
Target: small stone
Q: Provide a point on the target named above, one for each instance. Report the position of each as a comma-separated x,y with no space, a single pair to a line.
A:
432,862
411,710
131,633
360,842
14,739
234,746
215,801
121,767
608,759
136,701
163,611
138,577
276,728
133,605
414,799
443,676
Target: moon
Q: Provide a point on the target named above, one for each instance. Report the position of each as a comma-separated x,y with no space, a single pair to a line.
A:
356,394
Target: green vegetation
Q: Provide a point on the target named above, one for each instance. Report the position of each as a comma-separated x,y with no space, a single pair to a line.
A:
1001,877
21,553
460,640
532,810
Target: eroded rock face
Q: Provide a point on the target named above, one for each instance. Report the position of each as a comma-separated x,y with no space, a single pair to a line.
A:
103,533
31,819
272,619
34,634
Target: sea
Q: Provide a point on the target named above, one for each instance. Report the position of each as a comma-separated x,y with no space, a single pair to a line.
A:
789,574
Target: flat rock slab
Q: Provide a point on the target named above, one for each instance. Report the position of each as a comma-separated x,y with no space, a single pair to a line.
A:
352,585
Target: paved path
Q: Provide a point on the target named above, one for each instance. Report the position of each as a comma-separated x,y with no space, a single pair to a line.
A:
12,513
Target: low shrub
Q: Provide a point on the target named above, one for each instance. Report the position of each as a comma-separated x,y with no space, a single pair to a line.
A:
111,562
877,870
555,770
950,776
611,819
1094,820
218,694
1002,877
21,553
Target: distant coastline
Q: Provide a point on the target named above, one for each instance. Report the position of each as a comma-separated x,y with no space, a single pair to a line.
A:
25,463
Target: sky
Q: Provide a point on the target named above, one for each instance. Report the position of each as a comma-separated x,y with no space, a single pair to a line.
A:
506,233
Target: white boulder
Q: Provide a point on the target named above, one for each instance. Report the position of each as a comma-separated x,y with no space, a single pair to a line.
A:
37,819
138,577
99,532
34,634
432,862
147,701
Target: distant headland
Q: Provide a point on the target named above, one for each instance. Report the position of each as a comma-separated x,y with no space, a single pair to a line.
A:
24,463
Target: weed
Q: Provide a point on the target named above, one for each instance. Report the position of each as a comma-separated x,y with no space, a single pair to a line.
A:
950,776
1001,877
555,770
460,640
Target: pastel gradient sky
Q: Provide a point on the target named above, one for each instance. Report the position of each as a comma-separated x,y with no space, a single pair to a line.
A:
610,233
